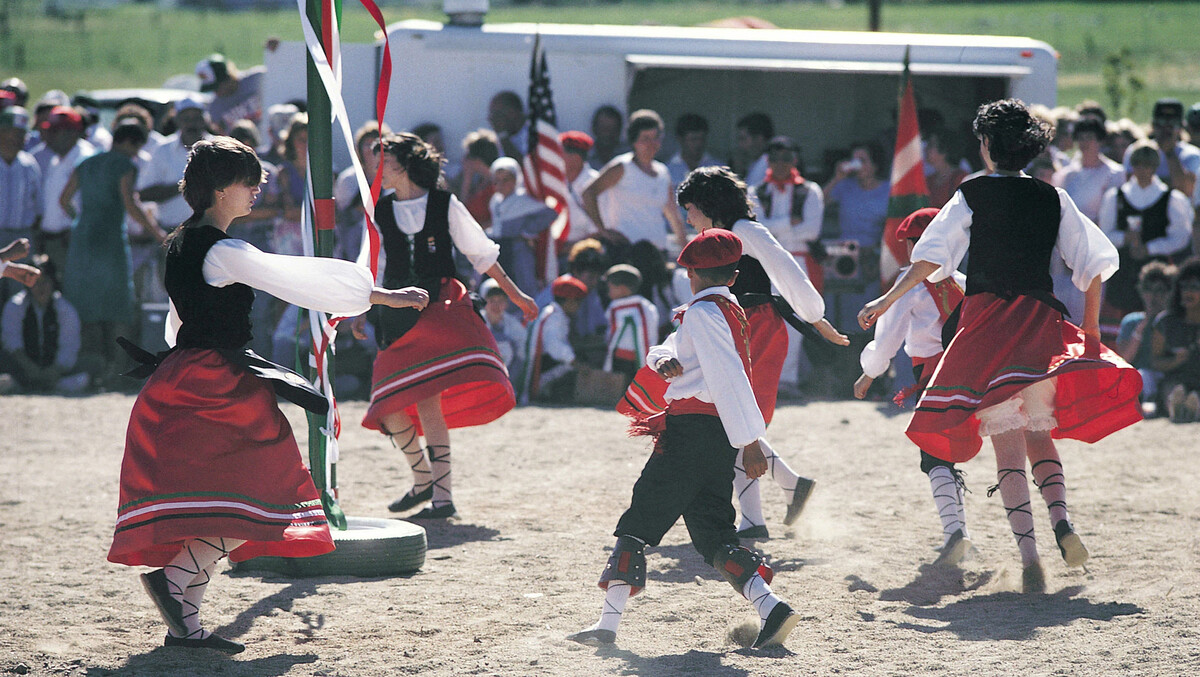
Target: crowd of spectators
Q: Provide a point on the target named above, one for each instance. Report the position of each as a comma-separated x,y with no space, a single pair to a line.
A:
95,201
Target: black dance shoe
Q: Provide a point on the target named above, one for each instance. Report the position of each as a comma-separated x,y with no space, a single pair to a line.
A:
410,500
757,532
436,512
780,623
211,642
593,637
1073,551
169,608
800,494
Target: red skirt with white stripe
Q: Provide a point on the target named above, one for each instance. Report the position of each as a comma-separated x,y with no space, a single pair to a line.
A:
1003,346
208,453
768,350
449,351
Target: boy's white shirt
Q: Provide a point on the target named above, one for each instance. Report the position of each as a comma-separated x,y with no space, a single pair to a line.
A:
704,346
555,332
914,321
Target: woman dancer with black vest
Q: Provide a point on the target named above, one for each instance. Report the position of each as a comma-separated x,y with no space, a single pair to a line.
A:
438,369
211,467
715,197
1016,370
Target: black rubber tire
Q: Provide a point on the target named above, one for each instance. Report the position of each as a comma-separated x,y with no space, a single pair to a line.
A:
369,547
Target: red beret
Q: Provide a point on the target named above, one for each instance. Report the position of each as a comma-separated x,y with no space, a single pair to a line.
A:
63,117
713,248
576,141
914,224
568,287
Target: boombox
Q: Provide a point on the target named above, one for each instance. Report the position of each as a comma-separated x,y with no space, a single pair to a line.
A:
849,267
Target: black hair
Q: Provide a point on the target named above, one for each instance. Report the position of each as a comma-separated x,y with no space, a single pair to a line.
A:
651,263
717,276
640,121
1015,137
690,122
1091,109
1157,271
510,99
420,161
1188,270
948,144
246,132
607,111
482,144
130,129
757,124
215,164
1090,125
875,151
424,129
718,193
587,255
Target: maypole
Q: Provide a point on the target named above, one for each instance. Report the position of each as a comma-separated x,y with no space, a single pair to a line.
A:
324,15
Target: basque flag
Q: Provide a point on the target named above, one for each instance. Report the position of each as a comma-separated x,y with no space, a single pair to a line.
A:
909,190
544,168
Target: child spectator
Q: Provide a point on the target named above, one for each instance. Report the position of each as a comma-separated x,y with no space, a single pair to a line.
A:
517,220
40,334
916,321
549,355
711,412
1176,346
632,321
1154,285
505,327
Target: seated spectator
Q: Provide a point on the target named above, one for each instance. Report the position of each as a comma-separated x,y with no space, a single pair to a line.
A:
632,321
39,331
586,262
517,220
480,149
549,356
1144,219
1175,347
237,95
575,151
663,284
505,326
638,196
1154,285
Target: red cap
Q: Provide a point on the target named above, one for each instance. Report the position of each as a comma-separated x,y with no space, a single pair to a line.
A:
576,141
63,117
568,287
713,248
914,224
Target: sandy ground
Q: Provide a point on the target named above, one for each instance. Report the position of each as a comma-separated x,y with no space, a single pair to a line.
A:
538,494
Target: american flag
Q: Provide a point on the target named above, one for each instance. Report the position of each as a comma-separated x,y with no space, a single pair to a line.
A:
544,168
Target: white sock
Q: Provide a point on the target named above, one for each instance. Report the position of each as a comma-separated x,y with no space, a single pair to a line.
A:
759,593
614,606
748,497
947,499
439,461
779,470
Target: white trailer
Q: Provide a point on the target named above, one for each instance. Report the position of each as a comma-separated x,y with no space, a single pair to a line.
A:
827,89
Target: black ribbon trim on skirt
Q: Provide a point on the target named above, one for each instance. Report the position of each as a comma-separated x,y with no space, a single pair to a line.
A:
287,384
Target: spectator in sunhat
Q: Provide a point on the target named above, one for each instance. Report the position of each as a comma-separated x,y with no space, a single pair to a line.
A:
237,95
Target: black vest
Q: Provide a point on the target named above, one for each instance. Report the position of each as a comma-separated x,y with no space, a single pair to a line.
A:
799,197
752,282
212,317
1014,227
1154,217
423,257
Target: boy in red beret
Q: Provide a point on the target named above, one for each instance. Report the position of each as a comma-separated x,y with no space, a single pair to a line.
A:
711,412
916,321
549,356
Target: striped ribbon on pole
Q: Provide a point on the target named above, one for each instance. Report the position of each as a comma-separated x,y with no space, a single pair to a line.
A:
909,191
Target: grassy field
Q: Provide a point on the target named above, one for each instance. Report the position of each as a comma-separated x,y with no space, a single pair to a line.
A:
139,45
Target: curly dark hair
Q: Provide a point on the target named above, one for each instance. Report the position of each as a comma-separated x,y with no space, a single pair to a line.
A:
1014,136
718,193
420,160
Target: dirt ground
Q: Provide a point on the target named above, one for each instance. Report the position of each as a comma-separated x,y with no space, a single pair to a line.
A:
538,494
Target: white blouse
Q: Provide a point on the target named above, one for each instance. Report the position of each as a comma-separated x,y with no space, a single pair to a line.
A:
786,275
466,233
712,368
332,286
1082,245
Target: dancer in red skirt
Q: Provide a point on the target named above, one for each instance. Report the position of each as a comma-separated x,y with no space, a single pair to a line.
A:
211,467
1016,370
440,368
715,197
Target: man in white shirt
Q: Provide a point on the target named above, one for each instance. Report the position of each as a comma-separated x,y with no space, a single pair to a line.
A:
506,115
62,148
159,181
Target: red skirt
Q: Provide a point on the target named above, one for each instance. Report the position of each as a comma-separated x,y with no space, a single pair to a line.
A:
209,453
1003,346
448,351
768,350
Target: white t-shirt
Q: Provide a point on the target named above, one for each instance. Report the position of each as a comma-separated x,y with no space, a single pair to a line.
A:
634,206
